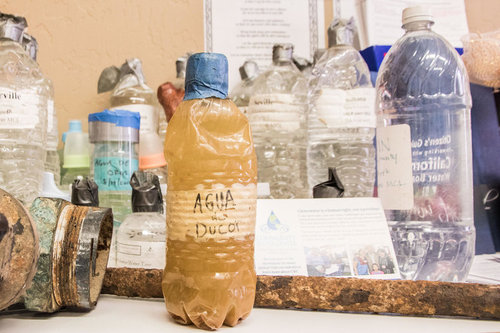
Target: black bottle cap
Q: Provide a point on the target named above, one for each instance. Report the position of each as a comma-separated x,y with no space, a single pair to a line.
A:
332,188
146,192
85,192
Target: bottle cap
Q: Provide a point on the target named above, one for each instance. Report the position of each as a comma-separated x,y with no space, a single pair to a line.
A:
180,65
146,192
341,32
49,188
206,76
417,13
301,63
30,45
249,70
74,126
282,52
76,150
114,125
133,66
151,151
12,27
111,75
85,192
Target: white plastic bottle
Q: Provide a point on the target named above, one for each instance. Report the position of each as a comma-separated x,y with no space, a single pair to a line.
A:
23,114
277,115
424,153
341,120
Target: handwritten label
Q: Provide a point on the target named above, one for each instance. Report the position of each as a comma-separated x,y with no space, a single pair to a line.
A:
394,167
113,173
212,213
20,109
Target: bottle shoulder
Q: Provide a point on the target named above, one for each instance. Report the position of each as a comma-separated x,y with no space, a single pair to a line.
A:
280,79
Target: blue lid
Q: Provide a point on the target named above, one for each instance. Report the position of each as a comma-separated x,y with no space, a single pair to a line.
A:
74,126
120,118
206,76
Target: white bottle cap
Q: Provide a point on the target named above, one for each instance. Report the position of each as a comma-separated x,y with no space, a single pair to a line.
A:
417,13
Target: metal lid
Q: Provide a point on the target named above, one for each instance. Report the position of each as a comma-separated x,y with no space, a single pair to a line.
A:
30,45
341,32
302,63
206,76
249,70
114,125
146,192
282,52
12,27
111,75
180,65
85,192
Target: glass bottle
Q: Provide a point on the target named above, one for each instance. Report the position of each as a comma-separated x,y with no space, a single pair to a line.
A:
209,277
52,163
152,159
277,114
170,94
424,152
23,114
243,90
341,122
141,238
115,136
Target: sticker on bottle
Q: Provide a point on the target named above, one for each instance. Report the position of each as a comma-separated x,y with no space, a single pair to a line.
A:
338,108
141,255
275,112
147,112
222,213
19,109
394,167
113,173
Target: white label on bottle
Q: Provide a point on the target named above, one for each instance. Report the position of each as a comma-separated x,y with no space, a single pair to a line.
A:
147,112
141,255
50,115
338,108
219,213
19,109
394,168
275,112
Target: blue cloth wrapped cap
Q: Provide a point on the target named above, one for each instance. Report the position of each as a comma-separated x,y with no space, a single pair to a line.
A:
206,76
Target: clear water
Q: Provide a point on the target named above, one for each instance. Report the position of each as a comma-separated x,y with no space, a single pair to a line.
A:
348,148
423,83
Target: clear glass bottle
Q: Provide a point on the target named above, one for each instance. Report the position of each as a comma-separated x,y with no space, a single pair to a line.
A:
52,162
170,94
424,153
341,120
115,136
23,114
243,90
209,277
277,114
141,238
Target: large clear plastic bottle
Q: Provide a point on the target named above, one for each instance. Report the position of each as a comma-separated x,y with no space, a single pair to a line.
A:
141,238
341,122
209,277
52,162
277,114
115,136
23,114
242,92
424,153
170,94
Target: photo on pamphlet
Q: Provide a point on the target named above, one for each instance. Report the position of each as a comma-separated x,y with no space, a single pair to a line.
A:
327,260
372,260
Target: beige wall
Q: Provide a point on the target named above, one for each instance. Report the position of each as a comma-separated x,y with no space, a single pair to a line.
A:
78,38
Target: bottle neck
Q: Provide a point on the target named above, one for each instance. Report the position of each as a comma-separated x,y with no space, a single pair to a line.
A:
418,26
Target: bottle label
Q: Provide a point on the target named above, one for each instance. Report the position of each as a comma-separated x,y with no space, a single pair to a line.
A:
394,167
218,214
50,115
19,109
147,112
338,108
141,255
113,173
275,112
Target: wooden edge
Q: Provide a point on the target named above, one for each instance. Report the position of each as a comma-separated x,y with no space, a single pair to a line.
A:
413,298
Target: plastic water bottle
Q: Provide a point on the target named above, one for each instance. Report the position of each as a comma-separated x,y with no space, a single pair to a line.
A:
424,153
209,277
242,92
277,114
23,114
341,123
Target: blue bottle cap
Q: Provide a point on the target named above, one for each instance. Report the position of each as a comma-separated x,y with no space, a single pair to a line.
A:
74,126
120,118
206,76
